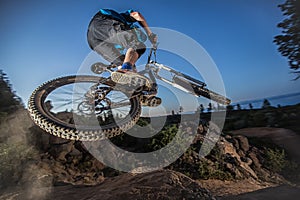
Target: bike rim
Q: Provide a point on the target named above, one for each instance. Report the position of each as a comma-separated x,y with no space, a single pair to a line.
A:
64,100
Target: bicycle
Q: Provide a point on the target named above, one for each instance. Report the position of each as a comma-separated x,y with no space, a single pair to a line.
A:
89,107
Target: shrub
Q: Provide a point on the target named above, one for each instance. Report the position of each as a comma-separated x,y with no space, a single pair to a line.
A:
216,171
275,160
164,137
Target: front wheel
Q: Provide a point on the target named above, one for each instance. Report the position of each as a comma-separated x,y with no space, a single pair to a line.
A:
85,108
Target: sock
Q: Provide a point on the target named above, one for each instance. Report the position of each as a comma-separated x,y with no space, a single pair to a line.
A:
127,66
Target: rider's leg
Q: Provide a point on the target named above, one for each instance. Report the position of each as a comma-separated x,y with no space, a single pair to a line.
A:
104,33
131,57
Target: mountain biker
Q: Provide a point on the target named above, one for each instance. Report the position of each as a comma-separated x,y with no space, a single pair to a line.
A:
117,39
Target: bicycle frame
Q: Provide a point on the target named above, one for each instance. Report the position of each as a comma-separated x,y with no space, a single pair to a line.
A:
152,69
177,79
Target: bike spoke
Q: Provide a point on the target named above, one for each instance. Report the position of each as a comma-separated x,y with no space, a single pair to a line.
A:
80,98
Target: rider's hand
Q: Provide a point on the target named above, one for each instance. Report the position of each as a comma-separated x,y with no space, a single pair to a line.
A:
153,38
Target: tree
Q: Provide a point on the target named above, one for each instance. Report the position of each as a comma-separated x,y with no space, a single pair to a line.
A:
250,106
229,107
9,101
238,106
289,41
209,108
266,104
180,109
201,108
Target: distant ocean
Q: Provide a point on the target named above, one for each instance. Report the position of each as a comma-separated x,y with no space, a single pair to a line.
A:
282,100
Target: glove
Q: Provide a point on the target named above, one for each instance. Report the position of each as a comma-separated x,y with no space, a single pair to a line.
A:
153,38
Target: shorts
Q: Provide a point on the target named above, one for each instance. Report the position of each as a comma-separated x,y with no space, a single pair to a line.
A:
104,33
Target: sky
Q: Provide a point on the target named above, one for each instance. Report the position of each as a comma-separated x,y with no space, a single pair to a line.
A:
44,39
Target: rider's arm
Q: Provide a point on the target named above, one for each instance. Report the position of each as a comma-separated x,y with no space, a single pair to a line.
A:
142,21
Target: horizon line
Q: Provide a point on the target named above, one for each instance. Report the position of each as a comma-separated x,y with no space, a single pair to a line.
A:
268,98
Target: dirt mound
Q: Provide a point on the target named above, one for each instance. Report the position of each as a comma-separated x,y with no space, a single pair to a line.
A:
164,184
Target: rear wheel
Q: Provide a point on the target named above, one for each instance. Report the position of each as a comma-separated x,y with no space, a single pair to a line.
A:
83,108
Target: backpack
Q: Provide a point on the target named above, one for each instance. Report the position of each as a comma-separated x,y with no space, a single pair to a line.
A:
127,20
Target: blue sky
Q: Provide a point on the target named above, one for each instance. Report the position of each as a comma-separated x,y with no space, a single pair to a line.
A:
43,39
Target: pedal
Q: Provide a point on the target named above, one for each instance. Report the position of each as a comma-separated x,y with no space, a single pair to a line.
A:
151,102
99,67
130,78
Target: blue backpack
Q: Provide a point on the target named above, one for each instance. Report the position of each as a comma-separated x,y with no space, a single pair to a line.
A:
125,18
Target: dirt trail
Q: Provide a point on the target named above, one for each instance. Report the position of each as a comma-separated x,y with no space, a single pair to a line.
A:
283,192
287,139
221,188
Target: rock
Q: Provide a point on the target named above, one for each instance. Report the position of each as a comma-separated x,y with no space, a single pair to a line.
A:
200,129
243,142
235,143
59,148
226,148
241,152
228,137
75,153
254,159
